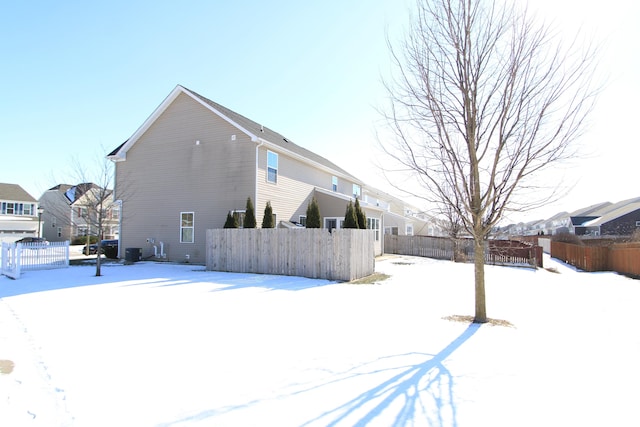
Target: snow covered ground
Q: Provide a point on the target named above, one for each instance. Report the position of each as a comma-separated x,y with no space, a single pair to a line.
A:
172,345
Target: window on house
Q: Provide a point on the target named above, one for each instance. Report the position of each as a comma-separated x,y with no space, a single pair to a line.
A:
10,209
331,223
334,183
374,224
303,220
115,212
59,231
272,167
186,227
391,230
239,217
53,221
356,191
637,223
28,209
409,230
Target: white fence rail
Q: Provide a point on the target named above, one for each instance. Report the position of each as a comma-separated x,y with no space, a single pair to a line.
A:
18,257
340,255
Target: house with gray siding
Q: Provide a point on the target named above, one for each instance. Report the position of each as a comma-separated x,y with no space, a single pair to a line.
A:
193,161
69,213
18,213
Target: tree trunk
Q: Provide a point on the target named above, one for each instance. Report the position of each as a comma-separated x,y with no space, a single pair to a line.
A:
99,258
481,306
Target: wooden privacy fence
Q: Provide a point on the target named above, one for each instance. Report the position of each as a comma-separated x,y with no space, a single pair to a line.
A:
18,257
427,246
496,251
620,257
625,258
343,255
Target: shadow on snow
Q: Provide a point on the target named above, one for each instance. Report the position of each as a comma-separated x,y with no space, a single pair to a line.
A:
421,391
149,274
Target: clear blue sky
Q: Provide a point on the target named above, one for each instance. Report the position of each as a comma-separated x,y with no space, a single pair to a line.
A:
80,77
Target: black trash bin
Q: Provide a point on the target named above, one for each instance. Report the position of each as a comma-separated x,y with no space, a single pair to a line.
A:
132,254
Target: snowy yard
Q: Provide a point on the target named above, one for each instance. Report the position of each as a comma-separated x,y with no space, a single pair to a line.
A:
172,345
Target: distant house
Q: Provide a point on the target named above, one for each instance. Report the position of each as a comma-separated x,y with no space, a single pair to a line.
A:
193,161
18,213
66,213
619,219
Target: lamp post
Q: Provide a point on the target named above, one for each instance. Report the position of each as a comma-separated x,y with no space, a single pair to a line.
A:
40,210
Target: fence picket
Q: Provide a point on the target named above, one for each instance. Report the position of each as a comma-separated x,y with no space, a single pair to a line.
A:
19,257
340,255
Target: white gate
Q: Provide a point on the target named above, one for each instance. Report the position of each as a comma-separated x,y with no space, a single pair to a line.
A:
18,257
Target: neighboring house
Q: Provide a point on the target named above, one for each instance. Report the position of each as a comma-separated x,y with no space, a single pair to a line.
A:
18,213
193,161
617,219
66,213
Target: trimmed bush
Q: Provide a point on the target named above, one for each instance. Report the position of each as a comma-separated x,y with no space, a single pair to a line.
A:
231,221
82,240
267,219
313,214
350,220
250,215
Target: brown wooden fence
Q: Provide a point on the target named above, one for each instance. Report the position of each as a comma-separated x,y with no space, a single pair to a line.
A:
625,258
340,255
620,257
513,252
499,252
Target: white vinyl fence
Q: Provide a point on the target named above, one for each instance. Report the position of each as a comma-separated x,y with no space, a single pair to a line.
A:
545,242
18,257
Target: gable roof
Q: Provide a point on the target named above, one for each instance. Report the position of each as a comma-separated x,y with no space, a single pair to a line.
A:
15,193
257,132
593,210
620,210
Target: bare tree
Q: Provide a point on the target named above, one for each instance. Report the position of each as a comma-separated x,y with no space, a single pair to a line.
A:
100,209
484,100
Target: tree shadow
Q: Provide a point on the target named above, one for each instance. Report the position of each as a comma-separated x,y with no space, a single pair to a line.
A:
424,390
411,392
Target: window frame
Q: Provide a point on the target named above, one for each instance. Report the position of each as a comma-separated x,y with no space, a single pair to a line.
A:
302,220
357,191
374,224
334,183
271,169
184,228
239,215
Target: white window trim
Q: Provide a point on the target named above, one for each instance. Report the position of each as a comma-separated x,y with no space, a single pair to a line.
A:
339,221
192,227
358,193
375,222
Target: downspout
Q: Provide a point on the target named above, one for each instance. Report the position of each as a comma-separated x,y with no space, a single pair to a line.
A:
260,142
